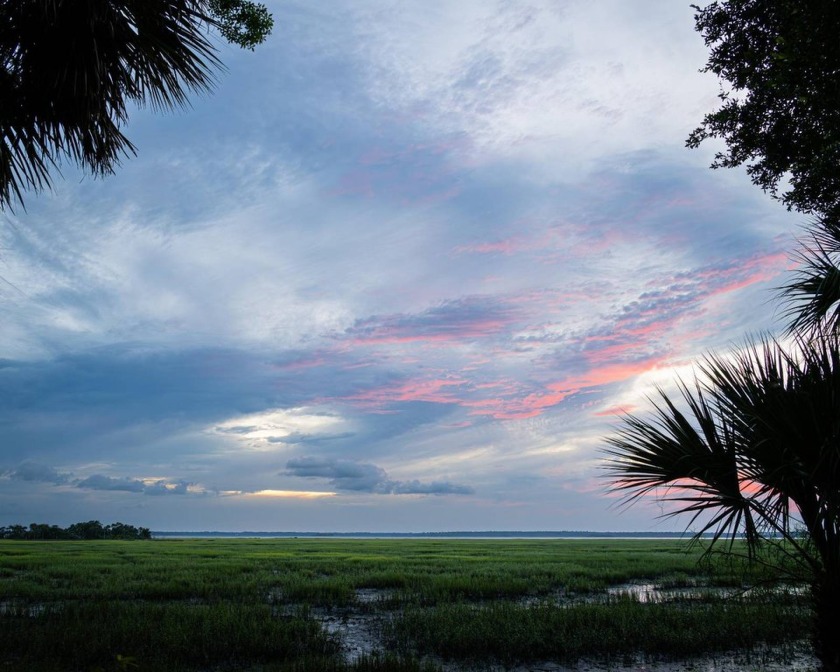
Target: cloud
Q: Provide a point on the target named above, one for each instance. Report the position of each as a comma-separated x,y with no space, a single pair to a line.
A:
431,488
352,476
345,474
162,487
282,494
464,319
152,487
447,229
540,78
298,437
42,473
32,471
100,482
290,426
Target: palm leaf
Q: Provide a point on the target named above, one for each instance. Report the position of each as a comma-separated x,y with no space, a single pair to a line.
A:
812,297
70,70
756,449
787,405
678,453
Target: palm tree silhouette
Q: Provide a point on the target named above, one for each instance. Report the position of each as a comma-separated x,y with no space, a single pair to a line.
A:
70,71
813,295
755,452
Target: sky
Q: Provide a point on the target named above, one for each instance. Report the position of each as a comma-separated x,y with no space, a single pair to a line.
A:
402,270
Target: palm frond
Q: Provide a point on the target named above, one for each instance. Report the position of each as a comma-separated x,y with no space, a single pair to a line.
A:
787,406
812,297
756,450
69,70
678,453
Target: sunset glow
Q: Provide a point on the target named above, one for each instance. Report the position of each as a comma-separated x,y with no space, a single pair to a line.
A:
404,269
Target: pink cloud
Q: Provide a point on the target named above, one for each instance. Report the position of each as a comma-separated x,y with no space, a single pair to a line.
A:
616,410
434,390
536,403
396,335
757,269
648,333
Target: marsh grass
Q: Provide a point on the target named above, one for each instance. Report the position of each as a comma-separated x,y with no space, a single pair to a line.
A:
174,636
510,632
240,604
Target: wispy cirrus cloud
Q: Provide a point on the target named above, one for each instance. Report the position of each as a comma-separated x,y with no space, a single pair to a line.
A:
647,332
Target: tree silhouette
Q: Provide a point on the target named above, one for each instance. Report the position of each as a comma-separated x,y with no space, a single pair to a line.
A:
70,69
752,447
778,61
756,450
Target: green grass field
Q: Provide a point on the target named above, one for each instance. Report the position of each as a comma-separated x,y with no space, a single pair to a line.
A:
308,604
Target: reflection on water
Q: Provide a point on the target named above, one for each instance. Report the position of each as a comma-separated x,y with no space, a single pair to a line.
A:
652,592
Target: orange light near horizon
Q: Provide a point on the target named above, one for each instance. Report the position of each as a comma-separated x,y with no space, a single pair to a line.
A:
290,494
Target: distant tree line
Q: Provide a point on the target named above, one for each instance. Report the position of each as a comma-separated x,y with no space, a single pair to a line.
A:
92,529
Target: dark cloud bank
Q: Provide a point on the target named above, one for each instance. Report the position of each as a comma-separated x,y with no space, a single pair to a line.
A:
41,473
354,476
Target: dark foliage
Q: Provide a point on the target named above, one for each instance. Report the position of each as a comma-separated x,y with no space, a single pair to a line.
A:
241,22
813,294
779,62
91,529
70,70
757,449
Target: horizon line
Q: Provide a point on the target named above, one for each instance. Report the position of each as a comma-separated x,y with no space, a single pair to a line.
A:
634,533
